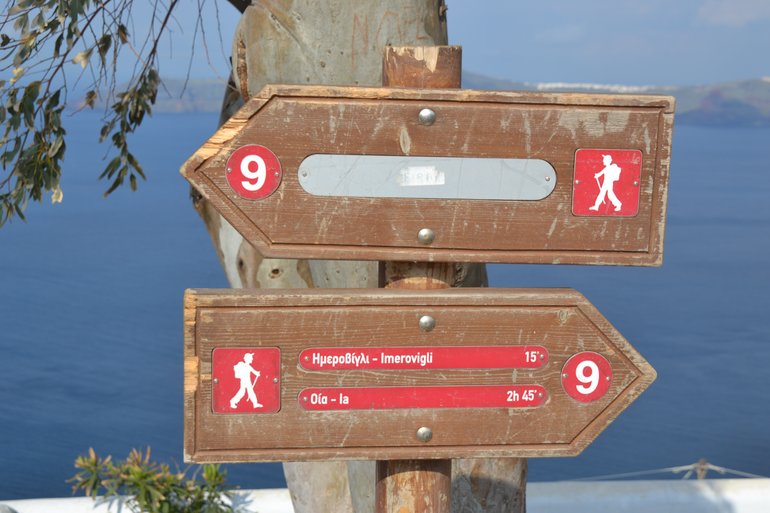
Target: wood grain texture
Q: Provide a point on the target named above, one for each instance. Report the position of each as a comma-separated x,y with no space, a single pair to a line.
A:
561,320
414,486
421,67
377,121
417,486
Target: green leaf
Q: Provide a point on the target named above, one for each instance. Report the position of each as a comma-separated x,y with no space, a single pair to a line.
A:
57,46
53,100
22,24
83,58
111,168
90,98
17,74
118,181
39,20
103,46
135,164
122,33
19,212
57,145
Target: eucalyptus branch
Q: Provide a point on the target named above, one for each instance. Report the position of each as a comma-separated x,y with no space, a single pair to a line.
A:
41,41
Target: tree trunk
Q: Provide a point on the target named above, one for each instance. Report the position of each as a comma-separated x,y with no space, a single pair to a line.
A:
336,42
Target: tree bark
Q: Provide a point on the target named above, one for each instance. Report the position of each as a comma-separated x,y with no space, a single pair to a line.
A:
334,42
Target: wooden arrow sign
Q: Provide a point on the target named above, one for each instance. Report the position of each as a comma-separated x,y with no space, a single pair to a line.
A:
394,374
443,175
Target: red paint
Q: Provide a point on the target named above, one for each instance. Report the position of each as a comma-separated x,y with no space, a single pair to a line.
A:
232,374
384,398
253,172
586,376
619,170
415,358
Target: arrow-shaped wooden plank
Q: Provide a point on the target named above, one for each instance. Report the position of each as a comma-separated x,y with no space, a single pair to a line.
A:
443,175
504,373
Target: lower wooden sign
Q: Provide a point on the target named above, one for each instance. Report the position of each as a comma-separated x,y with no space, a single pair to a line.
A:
298,375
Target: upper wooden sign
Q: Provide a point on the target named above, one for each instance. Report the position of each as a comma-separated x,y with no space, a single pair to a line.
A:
443,175
296,375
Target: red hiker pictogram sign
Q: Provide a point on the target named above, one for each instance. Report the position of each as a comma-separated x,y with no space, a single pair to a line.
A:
607,182
246,380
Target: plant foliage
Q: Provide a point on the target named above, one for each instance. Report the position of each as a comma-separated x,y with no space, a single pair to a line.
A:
42,44
148,487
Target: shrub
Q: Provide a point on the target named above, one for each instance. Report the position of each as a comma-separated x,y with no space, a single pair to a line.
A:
145,486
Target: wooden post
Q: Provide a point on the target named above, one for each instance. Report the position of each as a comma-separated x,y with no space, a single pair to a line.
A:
413,486
417,486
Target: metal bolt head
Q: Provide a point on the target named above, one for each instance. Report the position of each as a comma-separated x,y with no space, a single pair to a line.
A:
426,117
215,381
424,434
275,380
427,323
426,236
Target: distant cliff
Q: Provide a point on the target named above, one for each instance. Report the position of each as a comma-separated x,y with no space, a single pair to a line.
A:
745,103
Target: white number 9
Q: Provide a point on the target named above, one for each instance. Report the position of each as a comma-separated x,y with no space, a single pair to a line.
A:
587,372
259,175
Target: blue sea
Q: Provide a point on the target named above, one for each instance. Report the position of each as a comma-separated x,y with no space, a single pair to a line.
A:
91,316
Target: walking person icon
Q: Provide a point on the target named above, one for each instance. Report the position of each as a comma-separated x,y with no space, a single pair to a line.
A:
611,173
243,371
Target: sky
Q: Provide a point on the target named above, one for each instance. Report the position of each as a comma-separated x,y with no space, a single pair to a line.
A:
631,42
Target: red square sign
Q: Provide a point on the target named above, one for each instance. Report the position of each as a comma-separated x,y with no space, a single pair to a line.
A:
246,380
606,182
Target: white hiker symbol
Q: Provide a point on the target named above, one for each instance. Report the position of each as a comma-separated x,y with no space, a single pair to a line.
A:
611,174
243,371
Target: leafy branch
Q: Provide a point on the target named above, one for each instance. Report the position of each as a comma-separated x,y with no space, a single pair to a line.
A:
149,487
42,44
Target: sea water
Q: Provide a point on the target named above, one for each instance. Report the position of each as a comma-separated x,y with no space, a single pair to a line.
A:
91,315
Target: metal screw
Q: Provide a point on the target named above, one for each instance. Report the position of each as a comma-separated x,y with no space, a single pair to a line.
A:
304,398
275,380
424,434
426,117
636,184
547,178
276,174
577,182
542,356
608,378
426,236
564,375
307,358
215,381
540,394
427,323
229,170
